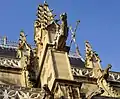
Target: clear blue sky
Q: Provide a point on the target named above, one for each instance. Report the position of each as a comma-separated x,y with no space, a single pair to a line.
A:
100,23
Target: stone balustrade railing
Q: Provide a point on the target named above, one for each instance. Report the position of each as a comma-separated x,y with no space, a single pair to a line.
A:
16,92
84,72
9,62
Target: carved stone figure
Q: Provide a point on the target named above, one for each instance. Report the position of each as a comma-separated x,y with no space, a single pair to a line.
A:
64,28
22,44
103,84
105,73
27,60
102,76
62,34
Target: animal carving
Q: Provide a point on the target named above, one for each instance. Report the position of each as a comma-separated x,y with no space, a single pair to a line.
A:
62,34
104,84
105,73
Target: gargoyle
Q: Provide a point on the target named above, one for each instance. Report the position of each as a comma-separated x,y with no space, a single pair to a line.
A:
105,73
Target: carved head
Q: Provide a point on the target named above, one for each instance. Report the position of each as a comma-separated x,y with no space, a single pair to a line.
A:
63,16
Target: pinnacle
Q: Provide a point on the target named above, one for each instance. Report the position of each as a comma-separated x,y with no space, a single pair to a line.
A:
45,3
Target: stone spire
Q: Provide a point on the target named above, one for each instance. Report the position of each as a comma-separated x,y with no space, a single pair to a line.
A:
88,49
44,15
91,57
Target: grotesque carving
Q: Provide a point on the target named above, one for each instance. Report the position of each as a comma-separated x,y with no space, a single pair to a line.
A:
64,28
61,36
103,84
93,61
105,73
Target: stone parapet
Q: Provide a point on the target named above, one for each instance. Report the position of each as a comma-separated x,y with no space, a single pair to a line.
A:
85,72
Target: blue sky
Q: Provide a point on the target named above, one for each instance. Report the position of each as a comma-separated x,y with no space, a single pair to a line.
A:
100,23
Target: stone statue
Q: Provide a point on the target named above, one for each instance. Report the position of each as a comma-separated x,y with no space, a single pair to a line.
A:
21,44
27,59
64,28
62,34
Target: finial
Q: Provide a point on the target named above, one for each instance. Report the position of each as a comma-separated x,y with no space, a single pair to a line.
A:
45,3
51,10
22,30
22,33
88,45
86,41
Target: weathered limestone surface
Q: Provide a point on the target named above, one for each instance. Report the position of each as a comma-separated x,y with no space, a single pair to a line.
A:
48,70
